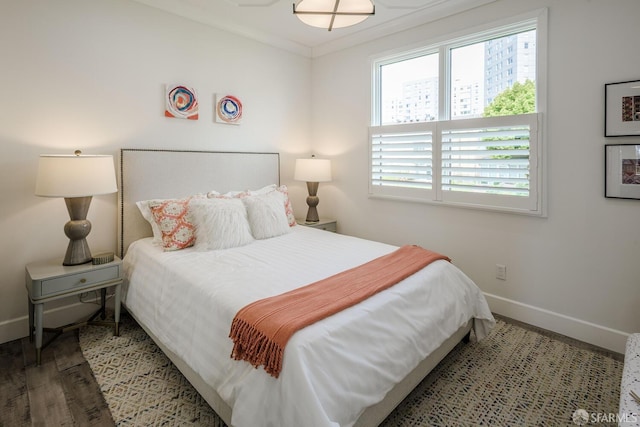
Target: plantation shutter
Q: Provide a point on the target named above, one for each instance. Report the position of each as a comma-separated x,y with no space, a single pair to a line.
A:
488,162
402,160
491,161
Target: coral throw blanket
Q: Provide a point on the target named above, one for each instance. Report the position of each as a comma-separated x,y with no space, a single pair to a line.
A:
261,330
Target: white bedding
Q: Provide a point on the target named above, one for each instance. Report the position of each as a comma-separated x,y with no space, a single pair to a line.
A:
332,370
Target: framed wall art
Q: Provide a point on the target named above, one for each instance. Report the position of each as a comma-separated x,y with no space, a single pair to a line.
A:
622,109
181,102
228,109
622,171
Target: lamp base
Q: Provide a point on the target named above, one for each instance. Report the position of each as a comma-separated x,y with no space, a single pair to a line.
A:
77,229
312,215
77,253
312,202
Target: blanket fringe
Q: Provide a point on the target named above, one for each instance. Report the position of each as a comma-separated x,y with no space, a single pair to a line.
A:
252,345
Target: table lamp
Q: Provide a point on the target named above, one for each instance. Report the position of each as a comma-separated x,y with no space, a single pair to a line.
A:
313,171
77,178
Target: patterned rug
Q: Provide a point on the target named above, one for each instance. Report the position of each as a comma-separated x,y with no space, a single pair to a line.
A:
516,376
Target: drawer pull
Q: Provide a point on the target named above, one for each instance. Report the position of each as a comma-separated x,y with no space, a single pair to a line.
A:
83,280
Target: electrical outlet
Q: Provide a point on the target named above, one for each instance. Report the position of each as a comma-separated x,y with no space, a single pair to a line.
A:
501,272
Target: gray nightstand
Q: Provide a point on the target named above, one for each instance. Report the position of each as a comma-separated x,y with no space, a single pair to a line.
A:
50,280
323,224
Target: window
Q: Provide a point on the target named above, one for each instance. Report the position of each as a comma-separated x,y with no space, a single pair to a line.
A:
406,81
458,123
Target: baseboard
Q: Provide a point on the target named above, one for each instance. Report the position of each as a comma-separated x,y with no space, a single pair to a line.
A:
14,329
588,332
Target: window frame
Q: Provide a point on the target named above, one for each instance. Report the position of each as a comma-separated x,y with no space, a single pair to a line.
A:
536,204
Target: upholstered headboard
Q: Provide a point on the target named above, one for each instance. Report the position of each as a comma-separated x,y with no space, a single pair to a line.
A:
156,174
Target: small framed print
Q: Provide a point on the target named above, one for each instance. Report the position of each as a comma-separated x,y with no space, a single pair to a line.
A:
181,102
622,171
228,109
622,109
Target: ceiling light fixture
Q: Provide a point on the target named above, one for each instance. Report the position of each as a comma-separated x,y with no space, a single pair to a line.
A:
332,14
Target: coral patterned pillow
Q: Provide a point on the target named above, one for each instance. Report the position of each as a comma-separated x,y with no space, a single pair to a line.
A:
288,209
175,223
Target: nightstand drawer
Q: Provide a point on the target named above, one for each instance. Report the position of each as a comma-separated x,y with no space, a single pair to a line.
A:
56,285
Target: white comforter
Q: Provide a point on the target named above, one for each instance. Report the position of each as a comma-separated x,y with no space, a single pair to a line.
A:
332,370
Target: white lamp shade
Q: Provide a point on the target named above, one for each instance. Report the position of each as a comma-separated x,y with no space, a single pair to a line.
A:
75,175
313,170
327,8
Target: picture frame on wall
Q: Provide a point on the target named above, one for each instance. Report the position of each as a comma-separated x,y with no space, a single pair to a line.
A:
181,102
622,109
622,171
228,109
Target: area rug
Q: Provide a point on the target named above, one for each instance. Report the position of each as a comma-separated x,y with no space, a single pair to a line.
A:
516,376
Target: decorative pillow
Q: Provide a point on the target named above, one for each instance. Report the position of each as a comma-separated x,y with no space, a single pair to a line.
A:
221,223
145,210
267,217
174,222
228,195
287,203
264,190
288,209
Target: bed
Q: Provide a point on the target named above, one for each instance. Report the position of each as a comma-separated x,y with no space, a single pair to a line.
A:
350,369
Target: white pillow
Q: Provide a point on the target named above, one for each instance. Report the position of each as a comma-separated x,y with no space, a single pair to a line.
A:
228,195
220,224
263,190
244,193
267,216
288,209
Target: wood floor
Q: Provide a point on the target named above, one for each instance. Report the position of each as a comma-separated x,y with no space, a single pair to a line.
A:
60,392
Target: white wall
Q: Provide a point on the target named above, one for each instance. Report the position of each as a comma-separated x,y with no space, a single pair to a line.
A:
578,270
90,75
